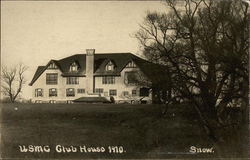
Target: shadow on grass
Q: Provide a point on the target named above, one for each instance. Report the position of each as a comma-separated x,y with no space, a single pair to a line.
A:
141,130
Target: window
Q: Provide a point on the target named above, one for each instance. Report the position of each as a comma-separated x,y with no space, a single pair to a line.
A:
130,77
72,80
38,92
134,92
51,78
109,66
112,92
125,93
131,64
99,90
73,67
52,66
52,92
108,80
80,90
144,92
70,92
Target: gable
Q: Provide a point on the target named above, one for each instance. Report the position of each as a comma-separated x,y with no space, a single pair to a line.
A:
110,66
119,60
52,65
74,67
78,59
131,64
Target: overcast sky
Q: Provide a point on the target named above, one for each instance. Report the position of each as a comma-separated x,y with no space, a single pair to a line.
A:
35,32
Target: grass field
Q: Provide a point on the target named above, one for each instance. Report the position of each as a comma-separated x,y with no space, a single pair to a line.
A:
140,129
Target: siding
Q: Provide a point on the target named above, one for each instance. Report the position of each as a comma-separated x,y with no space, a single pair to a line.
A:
61,87
120,86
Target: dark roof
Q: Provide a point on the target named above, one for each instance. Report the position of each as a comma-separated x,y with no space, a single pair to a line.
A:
120,60
157,73
37,74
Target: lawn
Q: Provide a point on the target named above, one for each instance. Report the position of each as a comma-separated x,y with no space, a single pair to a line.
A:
134,131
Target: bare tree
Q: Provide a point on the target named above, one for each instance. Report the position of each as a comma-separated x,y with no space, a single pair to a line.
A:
13,81
204,45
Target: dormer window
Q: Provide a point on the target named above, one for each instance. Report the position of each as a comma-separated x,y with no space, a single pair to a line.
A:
73,67
131,64
52,66
109,66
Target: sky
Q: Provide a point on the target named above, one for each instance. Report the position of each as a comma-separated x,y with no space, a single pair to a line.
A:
34,32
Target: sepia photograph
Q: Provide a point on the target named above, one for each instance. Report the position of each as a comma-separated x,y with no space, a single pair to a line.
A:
163,79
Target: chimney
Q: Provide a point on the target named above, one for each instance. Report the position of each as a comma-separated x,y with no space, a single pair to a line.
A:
90,70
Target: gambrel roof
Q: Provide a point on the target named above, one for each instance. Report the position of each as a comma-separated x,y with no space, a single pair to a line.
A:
120,60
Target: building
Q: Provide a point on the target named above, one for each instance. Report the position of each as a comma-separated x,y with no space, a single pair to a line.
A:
91,77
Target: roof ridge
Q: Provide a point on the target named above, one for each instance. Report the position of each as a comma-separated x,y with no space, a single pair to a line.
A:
69,57
114,53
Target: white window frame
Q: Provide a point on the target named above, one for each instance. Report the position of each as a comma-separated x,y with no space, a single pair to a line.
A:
38,92
108,80
72,80
51,80
73,67
81,90
52,92
109,66
70,92
112,92
99,90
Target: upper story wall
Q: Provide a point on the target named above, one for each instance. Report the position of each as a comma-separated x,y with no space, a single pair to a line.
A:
61,86
120,86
